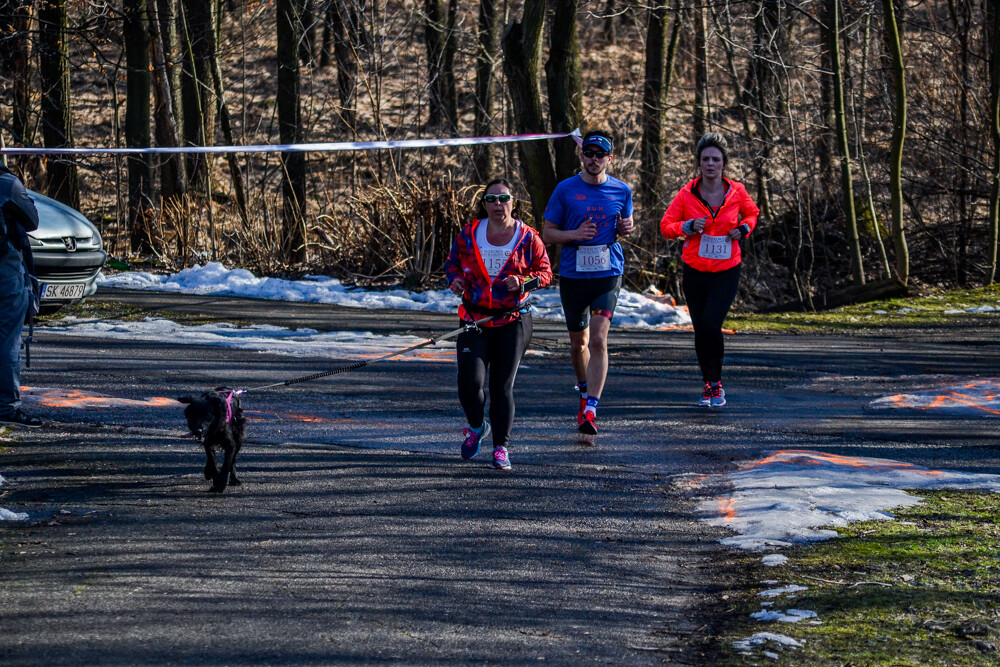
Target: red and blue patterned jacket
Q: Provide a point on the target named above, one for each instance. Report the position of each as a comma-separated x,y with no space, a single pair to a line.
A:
484,297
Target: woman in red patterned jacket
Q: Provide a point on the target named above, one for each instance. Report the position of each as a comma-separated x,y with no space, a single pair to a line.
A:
491,266
713,214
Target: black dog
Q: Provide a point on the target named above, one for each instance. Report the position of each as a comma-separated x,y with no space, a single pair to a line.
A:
216,419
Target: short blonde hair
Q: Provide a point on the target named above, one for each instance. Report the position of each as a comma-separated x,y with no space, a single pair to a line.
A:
713,140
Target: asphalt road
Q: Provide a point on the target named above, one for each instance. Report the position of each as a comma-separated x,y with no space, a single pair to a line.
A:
359,536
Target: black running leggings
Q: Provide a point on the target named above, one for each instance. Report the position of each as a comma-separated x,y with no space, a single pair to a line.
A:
709,296
500,350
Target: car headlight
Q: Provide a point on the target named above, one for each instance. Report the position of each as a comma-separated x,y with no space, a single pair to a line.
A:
33,242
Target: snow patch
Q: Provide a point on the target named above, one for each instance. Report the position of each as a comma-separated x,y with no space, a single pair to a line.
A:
761,638
789,616
633,310
791,496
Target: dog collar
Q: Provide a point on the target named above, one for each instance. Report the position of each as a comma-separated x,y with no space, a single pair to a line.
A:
229,402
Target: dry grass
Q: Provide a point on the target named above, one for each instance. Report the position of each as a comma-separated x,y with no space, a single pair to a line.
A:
365,210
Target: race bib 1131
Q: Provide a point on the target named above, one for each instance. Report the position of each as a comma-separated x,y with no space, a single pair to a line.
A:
715,247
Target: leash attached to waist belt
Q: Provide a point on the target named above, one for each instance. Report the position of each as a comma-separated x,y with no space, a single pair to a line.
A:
471,326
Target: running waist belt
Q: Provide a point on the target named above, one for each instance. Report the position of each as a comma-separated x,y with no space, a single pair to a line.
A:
472,308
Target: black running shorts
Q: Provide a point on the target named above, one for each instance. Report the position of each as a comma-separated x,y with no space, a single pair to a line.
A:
584,297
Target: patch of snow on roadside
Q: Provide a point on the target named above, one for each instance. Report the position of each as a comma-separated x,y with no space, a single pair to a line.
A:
789,616
774,560
264,338
784,590
761,638
633,310
7,515
980,396
791,495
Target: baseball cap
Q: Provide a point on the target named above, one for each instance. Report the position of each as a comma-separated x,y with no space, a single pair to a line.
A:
598,140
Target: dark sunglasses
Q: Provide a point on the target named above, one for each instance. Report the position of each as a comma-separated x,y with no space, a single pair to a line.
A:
598,154
492,199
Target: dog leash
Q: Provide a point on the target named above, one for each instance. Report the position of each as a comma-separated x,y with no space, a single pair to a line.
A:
471,326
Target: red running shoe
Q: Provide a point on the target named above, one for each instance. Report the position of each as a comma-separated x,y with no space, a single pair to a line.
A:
587,425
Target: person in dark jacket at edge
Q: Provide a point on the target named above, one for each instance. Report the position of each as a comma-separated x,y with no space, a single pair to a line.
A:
17,292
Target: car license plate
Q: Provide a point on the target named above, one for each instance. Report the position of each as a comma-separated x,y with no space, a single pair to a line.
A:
70,291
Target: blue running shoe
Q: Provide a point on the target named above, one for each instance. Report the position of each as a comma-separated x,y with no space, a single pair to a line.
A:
718,398
472,439
706,396
500,459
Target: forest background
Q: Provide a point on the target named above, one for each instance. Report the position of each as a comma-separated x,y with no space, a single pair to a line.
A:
866,131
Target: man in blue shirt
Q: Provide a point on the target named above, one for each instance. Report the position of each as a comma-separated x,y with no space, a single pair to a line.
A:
586,213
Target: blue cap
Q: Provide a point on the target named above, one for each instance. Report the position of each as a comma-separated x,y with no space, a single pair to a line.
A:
598,140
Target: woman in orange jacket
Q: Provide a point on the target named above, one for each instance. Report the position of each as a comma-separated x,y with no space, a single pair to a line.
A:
712,214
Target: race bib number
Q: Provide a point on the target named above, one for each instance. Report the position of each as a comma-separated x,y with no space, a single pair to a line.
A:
715,247
591,258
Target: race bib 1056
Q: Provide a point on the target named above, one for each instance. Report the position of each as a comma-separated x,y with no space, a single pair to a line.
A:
590,258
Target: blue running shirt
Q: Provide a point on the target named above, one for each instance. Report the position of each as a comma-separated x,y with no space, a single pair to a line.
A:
572,202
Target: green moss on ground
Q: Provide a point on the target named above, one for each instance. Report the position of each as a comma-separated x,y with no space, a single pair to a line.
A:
931,310
921,590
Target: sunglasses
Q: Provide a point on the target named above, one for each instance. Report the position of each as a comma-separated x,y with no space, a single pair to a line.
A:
598,154
492,199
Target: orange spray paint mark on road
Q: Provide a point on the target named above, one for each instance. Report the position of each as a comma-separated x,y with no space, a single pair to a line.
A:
76,399
727,508
804,457
979,395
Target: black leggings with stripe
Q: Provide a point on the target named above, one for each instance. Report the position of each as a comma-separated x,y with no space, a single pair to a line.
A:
498,349
709,296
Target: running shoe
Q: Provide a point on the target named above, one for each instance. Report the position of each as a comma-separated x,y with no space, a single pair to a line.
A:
718,395
706,396
472,439
587,425
19,418
500,459
579,414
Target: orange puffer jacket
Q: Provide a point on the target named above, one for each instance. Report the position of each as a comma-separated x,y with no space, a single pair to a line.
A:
737,209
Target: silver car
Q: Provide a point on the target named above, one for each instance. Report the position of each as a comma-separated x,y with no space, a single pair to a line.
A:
68,253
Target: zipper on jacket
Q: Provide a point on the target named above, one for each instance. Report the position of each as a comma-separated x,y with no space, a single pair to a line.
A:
696,191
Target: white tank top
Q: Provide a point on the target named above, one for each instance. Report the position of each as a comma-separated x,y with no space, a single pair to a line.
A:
494,257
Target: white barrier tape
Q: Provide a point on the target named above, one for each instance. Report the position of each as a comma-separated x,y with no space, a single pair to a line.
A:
297,148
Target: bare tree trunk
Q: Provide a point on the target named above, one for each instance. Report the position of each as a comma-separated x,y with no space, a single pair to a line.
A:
898,138
239,190
770,40
343,17
992,28
197,32
846,179
293,183
659,68
307,44
522,47
135,33
962,232
859,120
565,86
439,21
15,16
610,21
57,118
824,136
487,53
163,43
700,119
